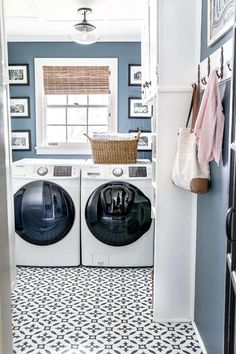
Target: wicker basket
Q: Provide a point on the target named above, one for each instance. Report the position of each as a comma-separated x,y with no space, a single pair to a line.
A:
114,151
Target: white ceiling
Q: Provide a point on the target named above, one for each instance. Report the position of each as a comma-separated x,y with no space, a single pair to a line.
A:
53,20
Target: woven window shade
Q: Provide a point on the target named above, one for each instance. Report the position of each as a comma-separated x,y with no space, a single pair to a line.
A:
76,80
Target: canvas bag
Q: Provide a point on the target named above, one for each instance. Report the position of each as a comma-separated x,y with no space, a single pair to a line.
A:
188,172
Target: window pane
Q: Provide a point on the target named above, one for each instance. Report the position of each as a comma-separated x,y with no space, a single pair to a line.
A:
96,129
56,134
75,134
77,99
98,116
77,116
99,99
56,99
56,115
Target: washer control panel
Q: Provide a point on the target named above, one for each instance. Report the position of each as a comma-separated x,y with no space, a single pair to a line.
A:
42,171
62,171
117,172
137,171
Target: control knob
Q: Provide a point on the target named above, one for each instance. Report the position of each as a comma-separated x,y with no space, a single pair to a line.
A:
117,172
42,171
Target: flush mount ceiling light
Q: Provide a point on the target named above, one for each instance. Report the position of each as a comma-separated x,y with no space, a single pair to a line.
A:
84,32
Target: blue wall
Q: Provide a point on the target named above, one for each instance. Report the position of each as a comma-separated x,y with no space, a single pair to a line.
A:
127,53
211,238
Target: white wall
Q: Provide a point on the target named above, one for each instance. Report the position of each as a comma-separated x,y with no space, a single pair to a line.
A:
175,237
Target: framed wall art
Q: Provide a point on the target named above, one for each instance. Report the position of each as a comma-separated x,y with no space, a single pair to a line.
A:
18,74
135,75
220,18
145,140
21,140
139,110
20,107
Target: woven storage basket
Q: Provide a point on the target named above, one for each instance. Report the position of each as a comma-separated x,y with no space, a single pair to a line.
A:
114,151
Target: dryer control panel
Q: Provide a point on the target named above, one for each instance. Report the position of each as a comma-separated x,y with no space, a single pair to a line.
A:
137,171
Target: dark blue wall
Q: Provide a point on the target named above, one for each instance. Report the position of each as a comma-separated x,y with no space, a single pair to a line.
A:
127,53
211,238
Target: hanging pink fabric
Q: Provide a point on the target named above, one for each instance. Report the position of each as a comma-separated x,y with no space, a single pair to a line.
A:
209,126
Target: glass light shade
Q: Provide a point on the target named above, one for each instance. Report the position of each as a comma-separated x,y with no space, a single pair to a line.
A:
84,34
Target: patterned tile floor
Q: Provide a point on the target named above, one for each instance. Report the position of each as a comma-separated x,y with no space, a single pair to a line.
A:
92,310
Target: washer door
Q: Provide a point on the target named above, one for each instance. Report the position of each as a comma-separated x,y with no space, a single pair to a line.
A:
44,213
118,214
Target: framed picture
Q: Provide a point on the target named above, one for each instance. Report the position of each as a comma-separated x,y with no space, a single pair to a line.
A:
20,107
139,110
220,18
145,140
18,74
21,140
135,75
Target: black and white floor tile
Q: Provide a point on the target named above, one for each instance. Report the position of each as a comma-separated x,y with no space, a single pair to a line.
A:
92,310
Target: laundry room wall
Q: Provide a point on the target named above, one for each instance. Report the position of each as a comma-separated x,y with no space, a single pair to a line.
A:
126,52
211,238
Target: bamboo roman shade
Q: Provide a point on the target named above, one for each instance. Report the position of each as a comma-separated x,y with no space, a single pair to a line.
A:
76,80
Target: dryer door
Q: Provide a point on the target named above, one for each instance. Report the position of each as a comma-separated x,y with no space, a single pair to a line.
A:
118,214
44,213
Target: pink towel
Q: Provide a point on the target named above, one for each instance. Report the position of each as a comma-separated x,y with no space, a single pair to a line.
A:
209,126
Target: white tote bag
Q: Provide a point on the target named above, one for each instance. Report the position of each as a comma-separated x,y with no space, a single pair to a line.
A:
188,172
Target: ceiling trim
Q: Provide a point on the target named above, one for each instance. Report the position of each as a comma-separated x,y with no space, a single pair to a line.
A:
66,39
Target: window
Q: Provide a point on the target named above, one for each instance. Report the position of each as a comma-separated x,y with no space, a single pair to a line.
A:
73,97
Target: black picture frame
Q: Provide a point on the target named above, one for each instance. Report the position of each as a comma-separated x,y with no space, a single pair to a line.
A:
15,112
146,114
15,71
132,81
22,140
144,144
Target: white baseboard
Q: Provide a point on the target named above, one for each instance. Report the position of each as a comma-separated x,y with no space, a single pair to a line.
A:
204,351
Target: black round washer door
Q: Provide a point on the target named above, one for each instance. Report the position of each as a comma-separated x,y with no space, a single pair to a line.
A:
44,213
118,214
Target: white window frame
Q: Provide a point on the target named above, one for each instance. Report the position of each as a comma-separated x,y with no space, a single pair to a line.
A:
70,148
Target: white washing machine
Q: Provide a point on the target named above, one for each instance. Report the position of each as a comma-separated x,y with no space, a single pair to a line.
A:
47,212
116,224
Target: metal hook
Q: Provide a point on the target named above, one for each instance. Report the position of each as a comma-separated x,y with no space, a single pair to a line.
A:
221,74
198,74
203,80
217,73
208,66
228,63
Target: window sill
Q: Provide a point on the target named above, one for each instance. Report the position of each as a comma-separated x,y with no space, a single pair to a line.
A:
83,149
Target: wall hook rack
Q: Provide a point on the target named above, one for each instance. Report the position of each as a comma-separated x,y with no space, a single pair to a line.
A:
220,61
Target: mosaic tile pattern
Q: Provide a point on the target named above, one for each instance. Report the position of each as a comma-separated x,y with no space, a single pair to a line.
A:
92,310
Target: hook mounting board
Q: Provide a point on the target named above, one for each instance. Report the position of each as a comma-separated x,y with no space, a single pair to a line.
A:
215,62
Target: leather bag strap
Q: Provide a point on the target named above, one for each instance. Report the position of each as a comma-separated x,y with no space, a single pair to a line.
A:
194,107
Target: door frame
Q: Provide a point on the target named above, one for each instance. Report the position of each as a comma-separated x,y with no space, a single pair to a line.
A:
6,210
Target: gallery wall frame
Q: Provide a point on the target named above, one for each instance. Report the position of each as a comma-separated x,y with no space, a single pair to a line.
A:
136,109
18,74
21,140
220,19
135,75
145,140
20,107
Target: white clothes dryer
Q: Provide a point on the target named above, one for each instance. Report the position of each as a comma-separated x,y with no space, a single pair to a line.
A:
47,212
116,223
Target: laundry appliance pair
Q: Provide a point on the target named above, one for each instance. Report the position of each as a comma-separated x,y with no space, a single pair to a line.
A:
72,212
